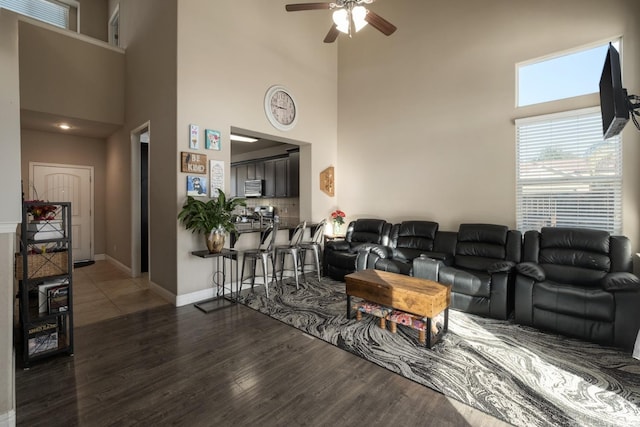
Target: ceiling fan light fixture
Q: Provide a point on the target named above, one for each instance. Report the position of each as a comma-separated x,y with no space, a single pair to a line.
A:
357,14
341,19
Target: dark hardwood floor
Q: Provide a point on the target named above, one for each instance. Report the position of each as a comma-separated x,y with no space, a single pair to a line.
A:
235,366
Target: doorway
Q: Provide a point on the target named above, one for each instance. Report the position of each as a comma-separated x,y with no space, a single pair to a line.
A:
68,183
140,218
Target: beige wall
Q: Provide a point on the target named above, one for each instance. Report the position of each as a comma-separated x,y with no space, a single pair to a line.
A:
64,74
428,113
148,33
10,208
229,54
94,21
47,147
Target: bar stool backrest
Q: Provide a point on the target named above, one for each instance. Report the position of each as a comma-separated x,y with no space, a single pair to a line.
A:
268,237
298,234
317,236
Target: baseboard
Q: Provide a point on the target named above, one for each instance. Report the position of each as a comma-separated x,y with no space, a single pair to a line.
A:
163,293
118,264
99,257
8,419
194,297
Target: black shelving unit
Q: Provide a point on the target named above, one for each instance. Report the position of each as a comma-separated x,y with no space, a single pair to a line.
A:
44,268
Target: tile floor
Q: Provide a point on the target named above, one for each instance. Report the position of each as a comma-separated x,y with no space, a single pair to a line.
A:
103,291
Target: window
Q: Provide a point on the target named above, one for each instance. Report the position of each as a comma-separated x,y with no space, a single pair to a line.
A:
562,76
114,27
52,12
566,174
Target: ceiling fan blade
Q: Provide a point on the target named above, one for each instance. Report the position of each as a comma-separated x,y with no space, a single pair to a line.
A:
332,35
307,6
379,23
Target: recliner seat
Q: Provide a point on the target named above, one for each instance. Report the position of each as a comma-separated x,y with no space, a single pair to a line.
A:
407,241
340,255
482,274
578,282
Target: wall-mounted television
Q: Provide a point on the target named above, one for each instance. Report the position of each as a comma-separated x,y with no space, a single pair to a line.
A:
614,102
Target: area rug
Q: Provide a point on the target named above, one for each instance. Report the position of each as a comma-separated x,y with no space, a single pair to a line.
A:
518,374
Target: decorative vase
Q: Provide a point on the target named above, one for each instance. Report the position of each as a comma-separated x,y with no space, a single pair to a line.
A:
215,241
337,227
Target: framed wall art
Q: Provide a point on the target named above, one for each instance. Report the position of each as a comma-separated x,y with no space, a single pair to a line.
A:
216,176
193,163
212,140
196,186
194,130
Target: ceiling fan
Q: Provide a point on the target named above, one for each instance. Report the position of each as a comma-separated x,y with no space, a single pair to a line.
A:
349,16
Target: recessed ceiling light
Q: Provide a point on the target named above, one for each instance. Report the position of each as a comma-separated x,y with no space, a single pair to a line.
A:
64,126
241,138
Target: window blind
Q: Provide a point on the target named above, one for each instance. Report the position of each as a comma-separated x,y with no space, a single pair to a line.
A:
43,10
567,175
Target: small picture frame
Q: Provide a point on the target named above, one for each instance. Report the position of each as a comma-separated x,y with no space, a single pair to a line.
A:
216,176
196,186
212,139
194,130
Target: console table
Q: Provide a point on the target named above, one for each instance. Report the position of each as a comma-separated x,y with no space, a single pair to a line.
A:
220,280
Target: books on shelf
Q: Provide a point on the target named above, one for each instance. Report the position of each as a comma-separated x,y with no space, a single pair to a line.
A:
58,299
43,293
42,337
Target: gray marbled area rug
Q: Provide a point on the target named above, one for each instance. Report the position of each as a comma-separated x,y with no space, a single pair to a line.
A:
515,373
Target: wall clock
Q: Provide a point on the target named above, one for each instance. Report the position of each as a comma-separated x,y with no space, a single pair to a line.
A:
280,108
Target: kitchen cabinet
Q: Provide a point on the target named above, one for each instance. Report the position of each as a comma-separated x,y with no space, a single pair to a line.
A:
269,178
280,175
294,174
241,177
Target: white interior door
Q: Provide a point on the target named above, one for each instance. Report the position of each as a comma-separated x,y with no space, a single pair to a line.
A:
64,183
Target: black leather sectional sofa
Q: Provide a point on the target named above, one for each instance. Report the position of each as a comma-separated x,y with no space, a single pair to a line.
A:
576,282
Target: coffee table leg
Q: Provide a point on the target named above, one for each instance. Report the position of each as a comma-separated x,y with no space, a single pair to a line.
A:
428,332
446,320
348,307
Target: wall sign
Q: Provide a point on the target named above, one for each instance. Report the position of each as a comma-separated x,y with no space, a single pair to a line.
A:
193,163
327,181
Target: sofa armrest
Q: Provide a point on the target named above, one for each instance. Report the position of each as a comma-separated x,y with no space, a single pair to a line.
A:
501,267
621,281
531,270
338,245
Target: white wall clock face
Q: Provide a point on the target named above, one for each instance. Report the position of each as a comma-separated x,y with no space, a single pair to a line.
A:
280,108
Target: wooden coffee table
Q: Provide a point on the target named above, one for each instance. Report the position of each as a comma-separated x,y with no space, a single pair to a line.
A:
420,297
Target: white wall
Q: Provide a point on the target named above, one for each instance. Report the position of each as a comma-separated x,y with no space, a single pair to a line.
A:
229,54
426,125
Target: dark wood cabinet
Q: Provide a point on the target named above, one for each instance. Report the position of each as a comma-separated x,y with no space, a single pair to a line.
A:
294,174
233,181
269,178
241,177
282,177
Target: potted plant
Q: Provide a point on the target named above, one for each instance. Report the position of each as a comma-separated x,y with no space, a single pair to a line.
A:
213,218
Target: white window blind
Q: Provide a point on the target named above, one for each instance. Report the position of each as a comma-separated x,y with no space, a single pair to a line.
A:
43,10
567,175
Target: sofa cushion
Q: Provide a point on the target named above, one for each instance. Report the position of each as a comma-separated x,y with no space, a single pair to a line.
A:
580,302
418,235
344,260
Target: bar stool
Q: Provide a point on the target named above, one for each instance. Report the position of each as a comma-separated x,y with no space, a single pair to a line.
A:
292,249
264,252
313,245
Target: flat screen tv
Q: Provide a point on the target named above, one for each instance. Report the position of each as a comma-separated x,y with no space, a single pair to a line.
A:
613,97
